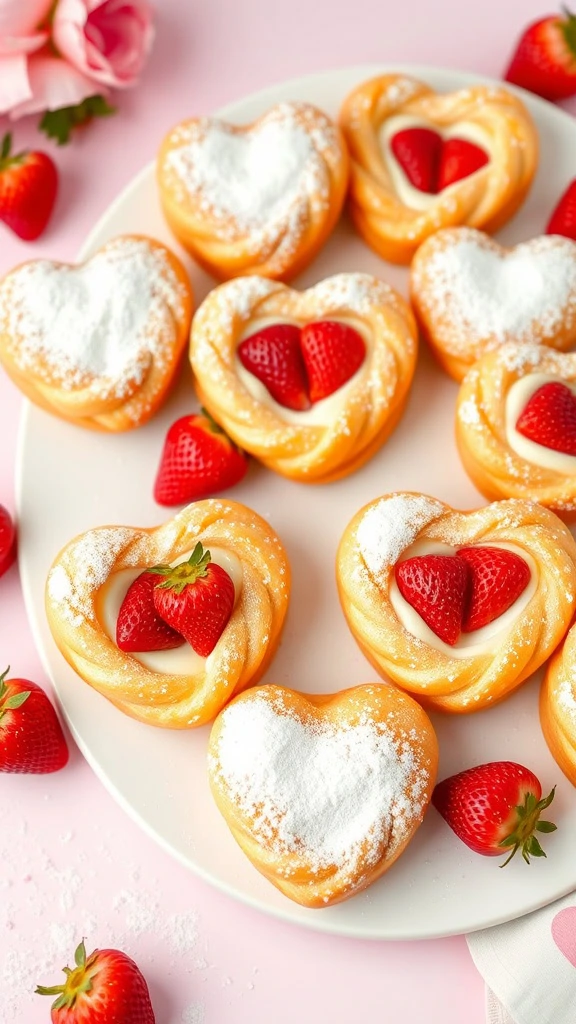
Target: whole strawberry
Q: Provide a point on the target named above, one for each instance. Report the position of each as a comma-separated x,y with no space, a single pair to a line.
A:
544,61
196,599
28,187
7,541
104,988
31,737
563,219
495,808
198,459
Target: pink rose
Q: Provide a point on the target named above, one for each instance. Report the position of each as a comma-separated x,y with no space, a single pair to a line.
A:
19,20
52,84
107,40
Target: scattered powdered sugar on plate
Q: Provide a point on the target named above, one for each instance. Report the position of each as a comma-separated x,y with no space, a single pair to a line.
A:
194,1014
97,325
481,292
258,182
391,525
336,795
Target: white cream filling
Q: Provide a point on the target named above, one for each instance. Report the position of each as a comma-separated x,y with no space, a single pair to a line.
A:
516,401
469,645
321,414
406,192
179,660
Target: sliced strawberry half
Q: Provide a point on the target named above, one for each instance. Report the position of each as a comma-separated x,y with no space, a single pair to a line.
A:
418,151
459,159
549,418
332,353
139,627
497,579
436,587
273,356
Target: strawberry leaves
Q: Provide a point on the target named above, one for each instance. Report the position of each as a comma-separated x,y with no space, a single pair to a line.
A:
523,838
59,124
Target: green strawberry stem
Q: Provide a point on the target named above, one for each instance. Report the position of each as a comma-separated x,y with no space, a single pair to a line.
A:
178,577
13,702
6,160
569,30
522,837
77,981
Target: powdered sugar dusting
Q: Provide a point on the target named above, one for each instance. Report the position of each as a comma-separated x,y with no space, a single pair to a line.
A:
99,325
391,525
486,296
337,795
260,183
94,557
566,698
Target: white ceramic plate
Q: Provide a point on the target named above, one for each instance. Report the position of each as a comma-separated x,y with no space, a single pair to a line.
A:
71,479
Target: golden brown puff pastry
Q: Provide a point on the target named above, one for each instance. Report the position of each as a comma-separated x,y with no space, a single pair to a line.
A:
175,689
471,295
558,706
322,792
338,434
484,665
97,343
501,459
391,214
260,198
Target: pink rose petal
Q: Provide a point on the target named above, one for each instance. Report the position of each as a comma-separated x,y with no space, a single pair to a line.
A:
22,44
108,40
53,84
14,82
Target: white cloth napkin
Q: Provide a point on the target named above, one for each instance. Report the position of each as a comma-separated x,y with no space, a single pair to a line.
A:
529,966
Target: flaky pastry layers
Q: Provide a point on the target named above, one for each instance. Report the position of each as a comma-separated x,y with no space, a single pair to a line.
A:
340,432
395,218
471,295
322,792
76,592
260,198
558,706
501,462
491,662
97,343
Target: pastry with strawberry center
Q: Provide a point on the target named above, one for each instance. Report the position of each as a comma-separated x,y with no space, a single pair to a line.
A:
458,608
169,623
516,426
422,160
310,383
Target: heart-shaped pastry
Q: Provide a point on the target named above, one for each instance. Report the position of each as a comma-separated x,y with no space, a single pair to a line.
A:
564,933
311,383
260,198
422,161
460,637
97,343
558,706
170,683
471,295
516,425
323,792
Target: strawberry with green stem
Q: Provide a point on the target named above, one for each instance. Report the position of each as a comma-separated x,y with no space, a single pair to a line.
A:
31,737
28,187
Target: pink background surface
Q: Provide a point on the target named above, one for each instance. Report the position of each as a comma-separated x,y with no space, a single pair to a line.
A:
72,863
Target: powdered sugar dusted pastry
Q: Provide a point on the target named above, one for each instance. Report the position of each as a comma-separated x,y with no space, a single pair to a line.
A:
471,295
558,706
97,343
422,161
254,199
311,383
175,687
458,608
323,792
516,425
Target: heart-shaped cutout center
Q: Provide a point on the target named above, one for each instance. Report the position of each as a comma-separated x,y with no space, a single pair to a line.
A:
564,933
463,592
549,418
432,163
301,366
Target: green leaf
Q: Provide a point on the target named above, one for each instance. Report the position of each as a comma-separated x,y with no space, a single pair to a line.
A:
6,146
546,826
80,955
53,990
533,847
543,804
16,700
58,124
568,29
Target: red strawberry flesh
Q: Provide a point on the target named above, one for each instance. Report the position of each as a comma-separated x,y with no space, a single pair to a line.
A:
544,61
494,808
196,598
418,151
198,459
563,219
459,160
139,628
28,186
273,356
333,352
497,579
31,737
549,418
435,586
7,541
